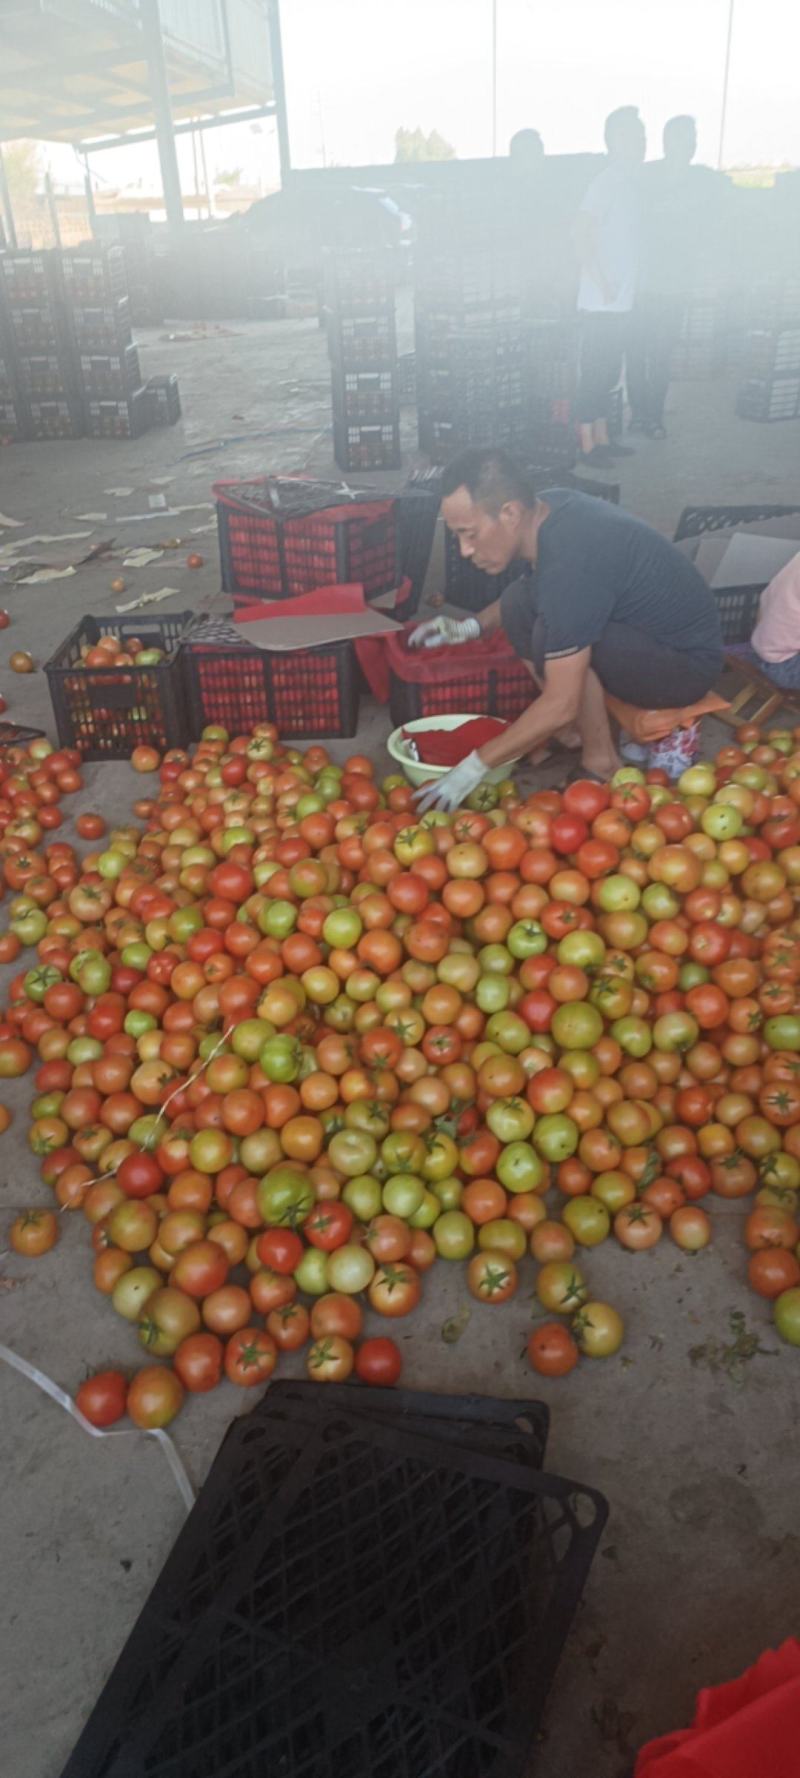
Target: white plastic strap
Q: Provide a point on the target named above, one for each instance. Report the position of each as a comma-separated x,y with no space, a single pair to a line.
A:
65,1401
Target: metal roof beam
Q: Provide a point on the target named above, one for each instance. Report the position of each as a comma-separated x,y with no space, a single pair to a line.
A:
215,121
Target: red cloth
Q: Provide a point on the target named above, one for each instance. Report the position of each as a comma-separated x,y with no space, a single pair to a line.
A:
749,1728
445,747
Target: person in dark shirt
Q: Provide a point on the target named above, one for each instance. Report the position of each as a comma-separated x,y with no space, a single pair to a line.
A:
680,204
605,604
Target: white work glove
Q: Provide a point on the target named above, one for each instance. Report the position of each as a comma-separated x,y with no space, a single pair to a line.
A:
451,791
439,631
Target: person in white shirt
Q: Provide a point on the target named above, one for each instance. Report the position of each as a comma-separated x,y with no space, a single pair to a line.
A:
607,239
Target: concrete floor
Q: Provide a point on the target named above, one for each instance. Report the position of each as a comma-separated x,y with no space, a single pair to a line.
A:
695,1450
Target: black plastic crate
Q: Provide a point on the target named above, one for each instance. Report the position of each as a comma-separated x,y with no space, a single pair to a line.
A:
407,378
738,611
309,692
359,281
102,327
107,418
514,1429
774,353
775,398
360,445
47,373
365,395
56,417
164,400
695,521
94,274
110,374
32,277
280,537
15,419
108,711
33,329
361,342
347,1600
9,385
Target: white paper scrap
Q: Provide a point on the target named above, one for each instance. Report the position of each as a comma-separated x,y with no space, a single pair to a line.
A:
7,524
120,492
43,574
97,518
164,592
139,558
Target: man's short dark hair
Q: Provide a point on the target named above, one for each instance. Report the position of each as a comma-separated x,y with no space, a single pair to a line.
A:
526,148
682,125
491,477
619,121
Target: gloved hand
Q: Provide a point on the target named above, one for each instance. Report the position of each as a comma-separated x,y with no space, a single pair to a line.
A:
451,791
440,630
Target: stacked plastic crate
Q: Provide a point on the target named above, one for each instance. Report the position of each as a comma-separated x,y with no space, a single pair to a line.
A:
38,349
770,389
116,404
700,351
362,344
469,342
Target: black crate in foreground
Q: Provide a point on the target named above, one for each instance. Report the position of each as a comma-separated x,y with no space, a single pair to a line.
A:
349,1598
108,711
696,520
307,692
516,1430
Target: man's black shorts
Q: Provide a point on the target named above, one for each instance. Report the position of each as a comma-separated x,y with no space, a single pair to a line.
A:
630,664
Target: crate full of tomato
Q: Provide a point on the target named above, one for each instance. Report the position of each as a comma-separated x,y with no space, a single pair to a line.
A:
117,686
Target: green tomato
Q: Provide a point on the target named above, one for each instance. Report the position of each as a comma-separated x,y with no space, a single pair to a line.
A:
678,1031
510,1120
312,1273
454,1235
699,780
184,922
492,993
576,1025
352,1152
285,1196
111,864
527,939
403,1195
617,894
84,1049
556,1137
692,975
350,1268
660,902
722,821
783,1031
584,950
281,1058
136,955
520,1168
136,1022
363,1196
248,1038
502,1235
94,976
47,1105
598,1329
495,960
30,926
633,1035
147,1131
449,1192
342,929
36,981
277,919
587,1219
430,1209
509,1032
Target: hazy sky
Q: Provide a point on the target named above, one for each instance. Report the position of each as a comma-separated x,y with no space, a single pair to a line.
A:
356,69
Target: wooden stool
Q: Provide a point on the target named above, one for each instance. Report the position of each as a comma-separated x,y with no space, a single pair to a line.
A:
647,726
768,696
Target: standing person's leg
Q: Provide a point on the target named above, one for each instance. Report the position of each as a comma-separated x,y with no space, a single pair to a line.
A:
636,367
664,337
609,375
593,385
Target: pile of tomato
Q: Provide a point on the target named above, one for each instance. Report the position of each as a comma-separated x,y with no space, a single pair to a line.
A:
294,1044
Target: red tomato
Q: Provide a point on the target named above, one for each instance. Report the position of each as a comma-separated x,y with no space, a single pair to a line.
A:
103,1398
378,1362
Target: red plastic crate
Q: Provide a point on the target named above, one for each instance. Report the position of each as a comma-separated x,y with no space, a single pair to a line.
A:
308,692
484,678
276,552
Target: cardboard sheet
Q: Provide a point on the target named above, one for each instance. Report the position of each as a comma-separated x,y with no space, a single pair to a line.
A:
291,633
751,559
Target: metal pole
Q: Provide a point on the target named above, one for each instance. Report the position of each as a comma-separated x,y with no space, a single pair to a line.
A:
53,208
162,109
5,204
87,186
494,78
279,84
196,174
205,174
725,79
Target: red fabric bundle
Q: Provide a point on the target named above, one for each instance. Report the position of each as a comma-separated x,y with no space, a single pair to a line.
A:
445,747
749,1728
